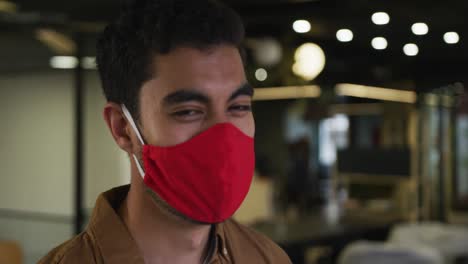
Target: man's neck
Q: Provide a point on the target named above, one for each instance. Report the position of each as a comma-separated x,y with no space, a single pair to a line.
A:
161,237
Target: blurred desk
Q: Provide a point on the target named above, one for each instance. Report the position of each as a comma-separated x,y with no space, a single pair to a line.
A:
316,230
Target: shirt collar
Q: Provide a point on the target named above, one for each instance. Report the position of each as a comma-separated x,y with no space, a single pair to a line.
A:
115,241
112,236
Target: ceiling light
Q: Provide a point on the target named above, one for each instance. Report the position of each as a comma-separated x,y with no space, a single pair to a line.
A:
411,49
451,37
63,62
344,35
380,18
261,74
379,43
420,29
310,61
89,63
301,26
71,62
267,52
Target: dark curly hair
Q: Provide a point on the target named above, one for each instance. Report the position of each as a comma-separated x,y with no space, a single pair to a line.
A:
127,48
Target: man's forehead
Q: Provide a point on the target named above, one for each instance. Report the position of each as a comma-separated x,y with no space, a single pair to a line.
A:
218,72
192,55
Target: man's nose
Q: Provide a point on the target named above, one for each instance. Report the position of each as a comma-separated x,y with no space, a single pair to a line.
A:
217,117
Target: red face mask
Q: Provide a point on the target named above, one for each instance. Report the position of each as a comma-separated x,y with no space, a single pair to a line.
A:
205,178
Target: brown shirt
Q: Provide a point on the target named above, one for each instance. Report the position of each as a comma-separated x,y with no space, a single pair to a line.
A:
107,240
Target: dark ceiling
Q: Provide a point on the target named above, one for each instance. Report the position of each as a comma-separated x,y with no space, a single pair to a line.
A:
436,64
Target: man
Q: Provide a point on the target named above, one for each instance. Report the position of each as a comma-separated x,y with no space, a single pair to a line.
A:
180,106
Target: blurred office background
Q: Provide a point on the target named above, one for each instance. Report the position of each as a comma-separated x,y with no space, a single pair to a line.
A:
361,115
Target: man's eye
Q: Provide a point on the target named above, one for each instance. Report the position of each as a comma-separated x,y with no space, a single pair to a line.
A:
241,108
187,113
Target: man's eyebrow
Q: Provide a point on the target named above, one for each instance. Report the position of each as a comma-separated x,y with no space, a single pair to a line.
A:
185,95
245,89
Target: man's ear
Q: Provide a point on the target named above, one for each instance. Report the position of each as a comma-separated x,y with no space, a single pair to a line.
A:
118,126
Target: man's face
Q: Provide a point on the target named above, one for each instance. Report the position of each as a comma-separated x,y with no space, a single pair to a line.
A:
192,91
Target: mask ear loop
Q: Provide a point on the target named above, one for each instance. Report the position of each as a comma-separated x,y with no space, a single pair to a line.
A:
140,138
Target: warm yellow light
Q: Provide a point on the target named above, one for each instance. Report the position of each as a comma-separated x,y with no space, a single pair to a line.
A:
56,41
344,35
380,18
377,93
420,29
7,6
451,37
379,43
261,74
89,63
71,62
310,61
63,62
411,49
287,92
301,26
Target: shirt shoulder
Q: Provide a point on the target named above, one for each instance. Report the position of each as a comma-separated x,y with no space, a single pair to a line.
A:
249,246
80,249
